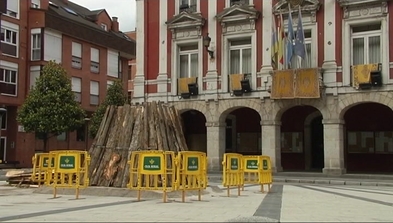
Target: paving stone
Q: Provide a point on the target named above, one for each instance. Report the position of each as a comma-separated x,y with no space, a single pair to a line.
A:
322,181
337,182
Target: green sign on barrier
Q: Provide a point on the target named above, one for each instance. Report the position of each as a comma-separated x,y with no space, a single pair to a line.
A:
234,163
67,162
46,162
252,164
152,163
192,164
264,165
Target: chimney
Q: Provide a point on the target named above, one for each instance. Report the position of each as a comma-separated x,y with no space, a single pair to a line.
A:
115,24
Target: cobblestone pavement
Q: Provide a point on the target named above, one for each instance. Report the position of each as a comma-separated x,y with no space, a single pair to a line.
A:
285,203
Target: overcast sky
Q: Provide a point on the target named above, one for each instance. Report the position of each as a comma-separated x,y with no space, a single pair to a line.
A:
125,10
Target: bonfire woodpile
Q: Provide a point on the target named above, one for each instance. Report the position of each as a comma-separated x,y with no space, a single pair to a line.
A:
150,126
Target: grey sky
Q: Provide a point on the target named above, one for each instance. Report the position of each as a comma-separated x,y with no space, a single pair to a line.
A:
125,10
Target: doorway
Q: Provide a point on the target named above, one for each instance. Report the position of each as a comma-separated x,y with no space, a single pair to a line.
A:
317,152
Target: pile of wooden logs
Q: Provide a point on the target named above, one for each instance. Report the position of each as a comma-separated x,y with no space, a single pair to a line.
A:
150,126
19,177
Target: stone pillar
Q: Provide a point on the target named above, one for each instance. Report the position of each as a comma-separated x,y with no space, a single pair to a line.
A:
271,142
215,132
333,134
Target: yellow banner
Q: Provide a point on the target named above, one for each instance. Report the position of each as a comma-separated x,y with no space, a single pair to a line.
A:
361,73
235,81
307,83
183,84
282,86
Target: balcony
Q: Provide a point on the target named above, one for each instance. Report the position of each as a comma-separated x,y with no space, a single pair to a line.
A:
296,83
187,87
239,84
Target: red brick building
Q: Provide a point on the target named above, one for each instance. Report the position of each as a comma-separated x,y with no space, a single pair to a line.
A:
328,109
87,43
131,68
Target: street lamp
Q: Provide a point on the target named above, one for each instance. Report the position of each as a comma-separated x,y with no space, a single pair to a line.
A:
206,43
2,112
87,133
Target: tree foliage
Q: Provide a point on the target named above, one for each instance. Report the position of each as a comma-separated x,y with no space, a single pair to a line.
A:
115,96
50,107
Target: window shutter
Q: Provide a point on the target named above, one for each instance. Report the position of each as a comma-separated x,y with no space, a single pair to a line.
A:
113,64
12,5
95,55
94,88
76,50
76,84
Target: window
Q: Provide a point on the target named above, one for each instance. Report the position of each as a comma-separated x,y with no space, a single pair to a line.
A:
94,92
370,142
77,88
9,42
3,149
104,26
120,62
188,5
34,74
240,2
129,72
81,133
8,81
36,47
366,44
129,96
35,4
108,84
189,64
4,121
113,64
240,57
62,136
95,60
76,55
12,8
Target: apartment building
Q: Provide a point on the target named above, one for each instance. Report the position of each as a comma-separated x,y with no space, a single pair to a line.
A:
131,68
87,43
306,82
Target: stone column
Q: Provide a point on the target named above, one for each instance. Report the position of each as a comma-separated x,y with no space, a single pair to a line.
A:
271,142
333,134
215,132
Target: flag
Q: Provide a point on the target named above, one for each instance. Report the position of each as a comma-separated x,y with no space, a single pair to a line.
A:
300,48
290,40
281,38
274,48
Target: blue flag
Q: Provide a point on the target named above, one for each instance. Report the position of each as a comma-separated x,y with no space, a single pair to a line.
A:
290,39
300,48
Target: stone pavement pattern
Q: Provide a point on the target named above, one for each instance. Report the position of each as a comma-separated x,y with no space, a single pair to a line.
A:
285,203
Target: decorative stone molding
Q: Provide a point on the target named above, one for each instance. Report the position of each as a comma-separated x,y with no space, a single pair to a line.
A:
238,18
309,8
215,124
364,8
186,25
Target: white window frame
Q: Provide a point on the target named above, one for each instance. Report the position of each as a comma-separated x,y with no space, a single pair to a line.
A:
16,79
76,61
104,26
5,147
225,60
92,94
94,62
176,63
34,69
241,48
188,53
34,47
347,47
17,12
5,120
36,4
366,35
77,89
228,3
13,28
177,6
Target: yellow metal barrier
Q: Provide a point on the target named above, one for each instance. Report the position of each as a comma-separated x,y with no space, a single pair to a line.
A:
69,170
40,168
152,170
257,170
233,171
191,172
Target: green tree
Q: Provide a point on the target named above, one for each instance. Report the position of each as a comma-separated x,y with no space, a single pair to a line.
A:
115,96
50,108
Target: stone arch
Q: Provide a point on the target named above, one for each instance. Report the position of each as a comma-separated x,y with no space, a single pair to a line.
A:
284,105
228,106
348,101
311,117
192,105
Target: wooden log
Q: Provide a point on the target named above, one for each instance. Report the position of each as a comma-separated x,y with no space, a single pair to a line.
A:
98,150
145,126
152,114
162,141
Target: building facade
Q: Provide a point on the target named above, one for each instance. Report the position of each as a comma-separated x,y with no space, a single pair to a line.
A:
331,112
87,43
131,68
